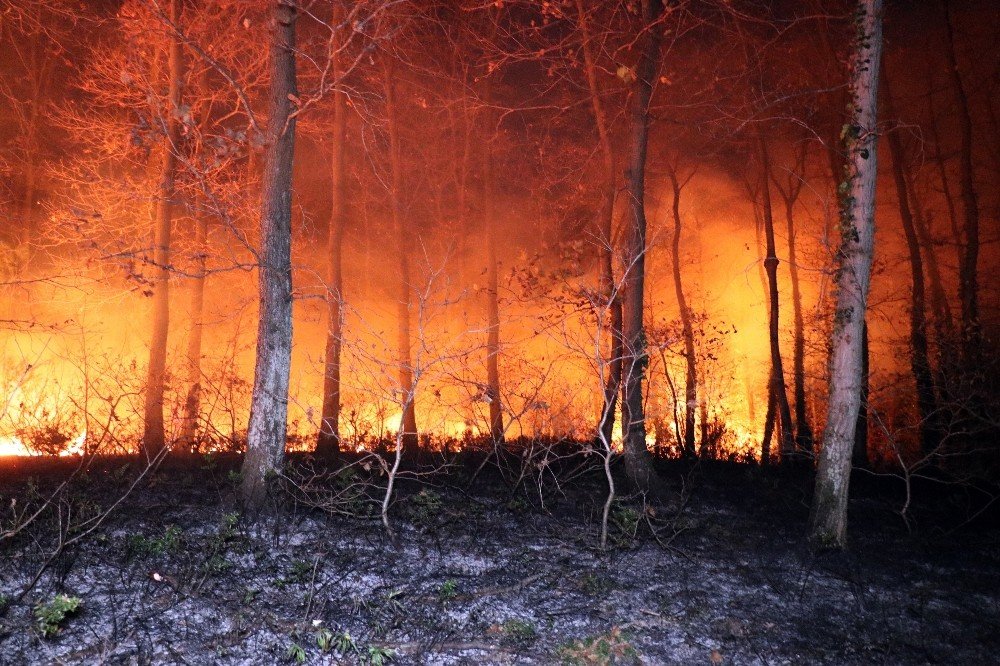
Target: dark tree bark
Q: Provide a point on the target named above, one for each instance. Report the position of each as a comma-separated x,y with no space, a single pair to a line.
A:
770,420
777,379
857,226
266,433
328,440
192,403
153,437
942,169
492,302
494,396
39,61
860,457
968,271
605,218
638,462
790,194
919,357
940,307
687,326
407,400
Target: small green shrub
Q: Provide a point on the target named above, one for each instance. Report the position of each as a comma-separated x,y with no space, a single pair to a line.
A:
449,590
624,525
378,656
426,506
596,585
170,542
215,562
296,653
300,572
519,631
49,617
602,650
518,505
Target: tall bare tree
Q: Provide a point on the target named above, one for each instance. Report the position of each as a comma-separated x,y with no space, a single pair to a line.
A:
605,219
192,402
919,357
638,462
269,402
687,325
968,270
328,441
404,352
854,260
153,438
776,383
492,299
789,189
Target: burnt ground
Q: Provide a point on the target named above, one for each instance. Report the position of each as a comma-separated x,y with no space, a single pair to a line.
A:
491,577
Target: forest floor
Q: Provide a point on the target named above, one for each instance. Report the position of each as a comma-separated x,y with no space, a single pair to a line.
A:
489,576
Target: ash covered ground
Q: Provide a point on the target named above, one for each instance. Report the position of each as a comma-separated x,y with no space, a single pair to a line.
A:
492,576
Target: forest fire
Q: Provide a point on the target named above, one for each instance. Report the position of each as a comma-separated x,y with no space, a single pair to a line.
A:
340,259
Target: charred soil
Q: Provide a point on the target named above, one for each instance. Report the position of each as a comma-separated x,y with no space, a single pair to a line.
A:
489,573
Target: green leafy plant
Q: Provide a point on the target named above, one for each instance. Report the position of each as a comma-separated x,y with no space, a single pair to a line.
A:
324,639
518,505
343,642
299,573
378,656
215,562
50,616
625,524
595,585
449,590
296,653
249,595
601,650
519,631
170,542
426,506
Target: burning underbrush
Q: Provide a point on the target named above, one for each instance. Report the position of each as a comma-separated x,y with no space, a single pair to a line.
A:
493,560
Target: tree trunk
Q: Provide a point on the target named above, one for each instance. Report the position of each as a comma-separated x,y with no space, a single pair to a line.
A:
407,396
328,440
860,448
857,226
968,278
777,383
938,298
153,438
41,63
860,455
919,360
266,433
492,302
493,395
942,170
605,217
687,327
638,463
769,422
803,430
192,404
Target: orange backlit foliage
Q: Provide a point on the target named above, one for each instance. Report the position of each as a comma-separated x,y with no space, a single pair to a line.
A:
504,140
84,374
